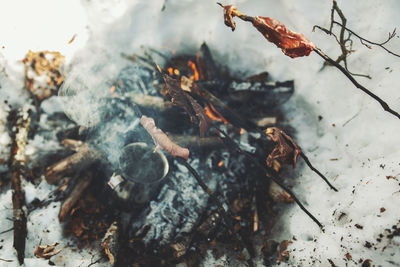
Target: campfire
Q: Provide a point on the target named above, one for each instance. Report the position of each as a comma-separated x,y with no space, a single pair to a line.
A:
169,165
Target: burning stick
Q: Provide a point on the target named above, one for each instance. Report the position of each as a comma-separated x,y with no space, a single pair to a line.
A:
84,156
293,45
22,124
74,196
162,140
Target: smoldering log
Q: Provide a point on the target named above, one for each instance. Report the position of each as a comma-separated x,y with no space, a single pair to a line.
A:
75,194
83,157
22,124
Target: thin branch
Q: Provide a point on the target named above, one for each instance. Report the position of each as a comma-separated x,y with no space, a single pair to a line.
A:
316,171
6,231
362,39
384,105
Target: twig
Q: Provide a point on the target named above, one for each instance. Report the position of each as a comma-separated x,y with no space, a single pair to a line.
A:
362,40
270,174
6,260
6,231
384,105
316,171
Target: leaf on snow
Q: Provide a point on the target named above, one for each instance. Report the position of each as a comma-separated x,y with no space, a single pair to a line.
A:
46,251
162,140
286,149
185,101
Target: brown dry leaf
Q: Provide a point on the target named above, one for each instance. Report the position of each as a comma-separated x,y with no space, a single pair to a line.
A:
286,149
348,256
45,63
185,101
162,140
228,16
46,251
292,44
283,253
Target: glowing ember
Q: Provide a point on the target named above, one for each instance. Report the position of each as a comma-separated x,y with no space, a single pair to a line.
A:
112,89
170,71
220,164
214,114
176,72
241,131
195,76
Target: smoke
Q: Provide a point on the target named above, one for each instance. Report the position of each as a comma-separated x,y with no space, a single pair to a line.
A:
131,27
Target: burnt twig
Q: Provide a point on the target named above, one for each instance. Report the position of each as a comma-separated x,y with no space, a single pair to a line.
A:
22,124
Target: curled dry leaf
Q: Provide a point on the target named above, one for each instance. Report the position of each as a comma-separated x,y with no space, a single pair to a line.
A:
185,101
286,150
293,44
46,251
162,140
228,16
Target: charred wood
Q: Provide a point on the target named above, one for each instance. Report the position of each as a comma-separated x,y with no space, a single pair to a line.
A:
75,195
82,158
22,124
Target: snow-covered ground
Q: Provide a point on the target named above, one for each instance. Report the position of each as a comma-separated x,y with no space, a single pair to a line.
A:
355,143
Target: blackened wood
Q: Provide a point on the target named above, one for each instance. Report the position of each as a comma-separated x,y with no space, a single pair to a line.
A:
74,196
82,158
22,124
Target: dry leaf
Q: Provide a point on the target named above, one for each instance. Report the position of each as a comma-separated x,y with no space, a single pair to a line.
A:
283,253
292,44
185,101
46,251
286,150
162,140
228,16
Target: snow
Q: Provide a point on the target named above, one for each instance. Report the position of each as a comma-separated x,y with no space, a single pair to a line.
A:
354,144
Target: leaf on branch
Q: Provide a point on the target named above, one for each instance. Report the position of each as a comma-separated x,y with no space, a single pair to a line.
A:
185,101
46,251
292,44
286,149
162,140
228,16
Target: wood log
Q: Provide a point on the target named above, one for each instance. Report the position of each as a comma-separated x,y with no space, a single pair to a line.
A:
83,157
74,196
22,124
